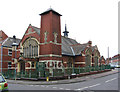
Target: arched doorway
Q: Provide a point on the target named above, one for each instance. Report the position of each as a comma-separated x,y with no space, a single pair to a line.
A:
22,66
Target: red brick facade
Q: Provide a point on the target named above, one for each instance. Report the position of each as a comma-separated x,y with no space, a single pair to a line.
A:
46,45
4,57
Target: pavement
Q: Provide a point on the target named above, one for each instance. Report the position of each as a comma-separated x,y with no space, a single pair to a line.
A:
65,81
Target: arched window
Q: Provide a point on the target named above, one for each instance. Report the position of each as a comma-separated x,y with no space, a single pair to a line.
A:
87,60
88,53
30,48
96,57
96,61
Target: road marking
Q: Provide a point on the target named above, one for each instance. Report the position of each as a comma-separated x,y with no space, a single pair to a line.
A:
110,80
54,87
36,85
47,86
42,86
67,89
70,84
82,88
31,85
94,85
88,87
61,88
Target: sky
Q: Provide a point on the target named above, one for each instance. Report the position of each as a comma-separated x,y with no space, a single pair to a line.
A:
95,20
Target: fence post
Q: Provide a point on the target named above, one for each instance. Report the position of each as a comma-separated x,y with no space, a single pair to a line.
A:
89,69
79,69
101,67
15,74
84,69
63,70
29,73
8,74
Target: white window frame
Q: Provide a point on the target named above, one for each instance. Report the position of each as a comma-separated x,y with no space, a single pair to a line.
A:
9,65
10,52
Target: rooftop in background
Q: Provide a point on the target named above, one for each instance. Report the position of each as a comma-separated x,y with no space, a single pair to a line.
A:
9,41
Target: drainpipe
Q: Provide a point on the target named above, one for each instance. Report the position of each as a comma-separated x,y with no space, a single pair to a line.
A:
1,57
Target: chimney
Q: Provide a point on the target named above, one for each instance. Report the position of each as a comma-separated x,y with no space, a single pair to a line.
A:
90,43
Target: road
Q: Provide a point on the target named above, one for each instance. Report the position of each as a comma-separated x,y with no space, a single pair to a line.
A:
104,83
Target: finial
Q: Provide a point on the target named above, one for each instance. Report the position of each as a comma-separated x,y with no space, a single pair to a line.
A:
65,32
65,27
50,6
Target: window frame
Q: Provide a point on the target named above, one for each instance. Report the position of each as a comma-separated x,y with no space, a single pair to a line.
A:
9,52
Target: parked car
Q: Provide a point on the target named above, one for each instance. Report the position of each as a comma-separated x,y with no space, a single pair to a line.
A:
112,66
117,66
3,84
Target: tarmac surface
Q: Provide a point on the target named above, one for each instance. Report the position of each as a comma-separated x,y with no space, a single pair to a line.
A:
65,81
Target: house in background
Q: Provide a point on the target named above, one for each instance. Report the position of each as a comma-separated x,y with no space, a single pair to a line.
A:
102,60
6,51
115,61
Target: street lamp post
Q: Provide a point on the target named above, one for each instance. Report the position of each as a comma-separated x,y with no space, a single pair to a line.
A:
15,49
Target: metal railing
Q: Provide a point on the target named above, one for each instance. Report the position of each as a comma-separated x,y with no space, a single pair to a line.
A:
56,72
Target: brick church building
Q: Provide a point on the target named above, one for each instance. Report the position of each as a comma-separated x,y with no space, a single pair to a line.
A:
46,46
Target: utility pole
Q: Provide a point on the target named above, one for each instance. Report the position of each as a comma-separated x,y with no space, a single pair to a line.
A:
1,57
108,55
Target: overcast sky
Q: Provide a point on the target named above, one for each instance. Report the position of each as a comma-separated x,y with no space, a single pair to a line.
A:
95,20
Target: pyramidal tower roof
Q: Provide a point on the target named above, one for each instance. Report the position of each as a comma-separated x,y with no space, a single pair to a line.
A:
50,9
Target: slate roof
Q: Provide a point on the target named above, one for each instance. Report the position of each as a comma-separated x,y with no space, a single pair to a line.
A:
94,47
79,48
66,45
9,41
36,29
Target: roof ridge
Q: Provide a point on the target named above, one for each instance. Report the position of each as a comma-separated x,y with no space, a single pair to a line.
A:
48,10
35,27
16,38
5,40
68,38
75,44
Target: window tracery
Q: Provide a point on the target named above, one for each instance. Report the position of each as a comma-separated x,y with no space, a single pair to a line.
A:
30,48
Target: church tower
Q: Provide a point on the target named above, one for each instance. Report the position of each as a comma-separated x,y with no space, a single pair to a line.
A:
50,39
